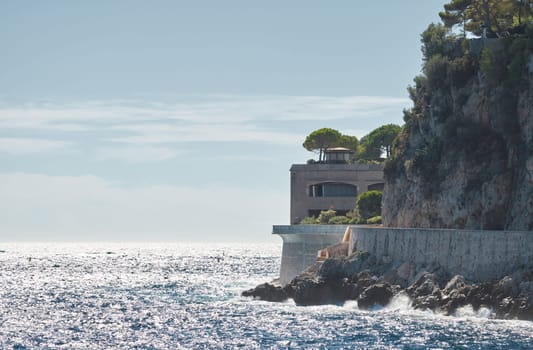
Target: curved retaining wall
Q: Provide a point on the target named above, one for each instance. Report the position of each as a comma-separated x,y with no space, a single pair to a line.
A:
301,244
477,255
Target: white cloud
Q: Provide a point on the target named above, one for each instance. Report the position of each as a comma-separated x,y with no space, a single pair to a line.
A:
41,207
161,133
16,146
210,109
249,119
137,154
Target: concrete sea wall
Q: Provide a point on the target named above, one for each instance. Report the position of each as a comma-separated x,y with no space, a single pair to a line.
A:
477,255
301,244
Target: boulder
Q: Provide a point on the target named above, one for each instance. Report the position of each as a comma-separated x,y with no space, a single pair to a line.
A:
377,294
457,282
452,301
332,269
406,271
316,291
267,292
425,285
480,295
506,287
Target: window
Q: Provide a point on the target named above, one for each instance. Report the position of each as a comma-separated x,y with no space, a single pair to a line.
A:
376,187
332,189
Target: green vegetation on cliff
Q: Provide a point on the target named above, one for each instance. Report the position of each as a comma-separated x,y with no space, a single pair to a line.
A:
497,16
449,65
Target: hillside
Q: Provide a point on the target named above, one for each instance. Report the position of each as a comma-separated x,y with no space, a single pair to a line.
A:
464,158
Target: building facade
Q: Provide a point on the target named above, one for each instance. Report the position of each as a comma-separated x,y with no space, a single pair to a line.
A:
323,186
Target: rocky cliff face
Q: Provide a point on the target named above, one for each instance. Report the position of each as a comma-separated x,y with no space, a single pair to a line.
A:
465,156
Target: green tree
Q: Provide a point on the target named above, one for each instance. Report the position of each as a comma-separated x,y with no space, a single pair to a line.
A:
438,40
322,139
367,150
495,15
349,142
523,11
378,142
369,204
455,14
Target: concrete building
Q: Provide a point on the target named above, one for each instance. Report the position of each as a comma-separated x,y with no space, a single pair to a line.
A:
332,184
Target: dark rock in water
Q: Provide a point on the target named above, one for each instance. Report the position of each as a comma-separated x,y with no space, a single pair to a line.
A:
429,302
523,308
267,292
451,302
310,291
480,295
425,285
361,277
332,269
507,286
457,282
345,267
377,294
364,281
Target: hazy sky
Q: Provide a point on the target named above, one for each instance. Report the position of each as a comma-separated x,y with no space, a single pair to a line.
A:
178,121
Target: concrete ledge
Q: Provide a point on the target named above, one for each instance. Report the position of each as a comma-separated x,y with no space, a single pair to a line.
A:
329,167
307,229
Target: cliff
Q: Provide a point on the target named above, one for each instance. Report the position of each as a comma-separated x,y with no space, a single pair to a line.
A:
464,158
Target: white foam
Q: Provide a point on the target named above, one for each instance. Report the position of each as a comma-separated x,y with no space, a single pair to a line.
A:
399,302
469,312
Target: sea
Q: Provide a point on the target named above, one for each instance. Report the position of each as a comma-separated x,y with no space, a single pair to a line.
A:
187,296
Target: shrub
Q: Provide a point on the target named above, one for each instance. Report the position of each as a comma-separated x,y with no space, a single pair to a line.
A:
369,204
492,64
339,220
357,221
436,70
461,70
374,220
437,40
310,220
326,215
519,57
426,159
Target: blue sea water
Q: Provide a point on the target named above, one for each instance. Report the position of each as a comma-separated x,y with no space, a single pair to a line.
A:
187,296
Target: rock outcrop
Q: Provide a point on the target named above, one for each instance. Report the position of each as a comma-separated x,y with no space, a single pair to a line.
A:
359,277
268,292
464,158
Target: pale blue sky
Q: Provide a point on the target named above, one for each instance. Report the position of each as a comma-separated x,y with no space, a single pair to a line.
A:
173,120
